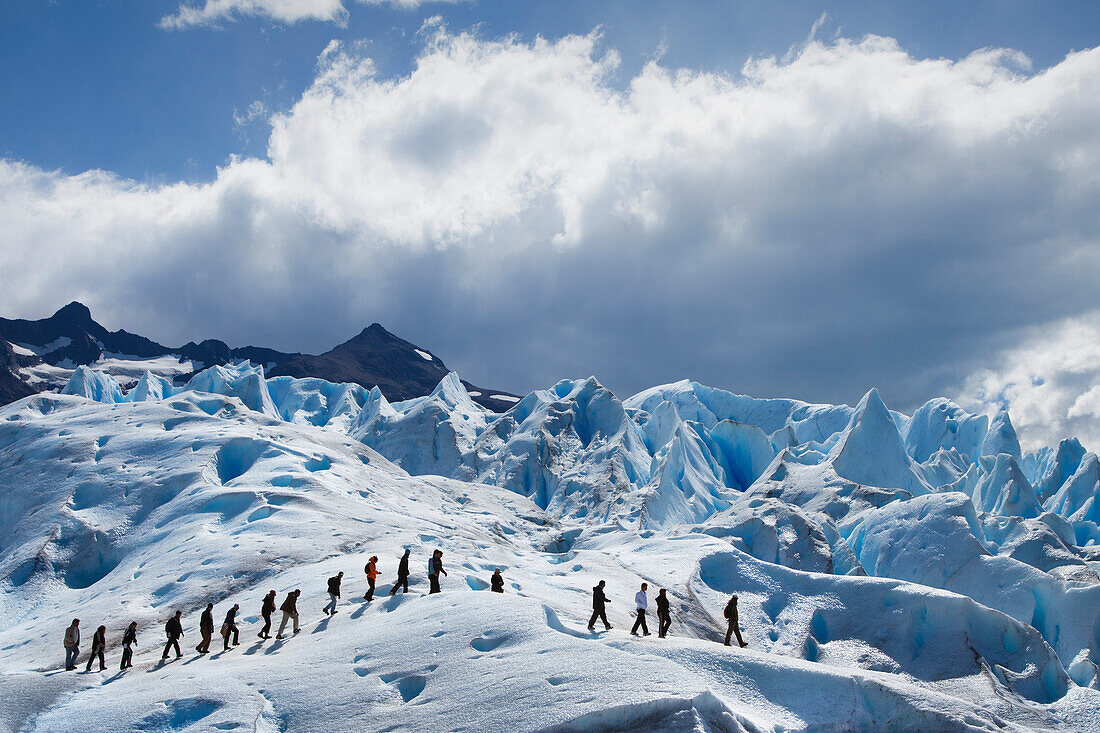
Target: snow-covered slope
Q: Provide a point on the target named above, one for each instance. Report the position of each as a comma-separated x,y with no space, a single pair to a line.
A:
893,572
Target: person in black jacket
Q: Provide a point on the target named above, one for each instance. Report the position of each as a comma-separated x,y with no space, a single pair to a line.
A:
333,593
266,610
732,628
496,583
129,639
435,567
289,608
664,620
173,629
206,629
599,600
229,628
402,574
99,644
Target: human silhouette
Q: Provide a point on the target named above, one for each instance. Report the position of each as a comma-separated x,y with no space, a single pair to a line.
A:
206,629
435,567
664,620
289,608
99,645
173,629
496,583
402,574
72,644
731,616
129,640
640,605
266,610
599,611
229,628
333,593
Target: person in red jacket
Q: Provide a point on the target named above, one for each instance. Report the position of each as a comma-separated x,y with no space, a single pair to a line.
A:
372,574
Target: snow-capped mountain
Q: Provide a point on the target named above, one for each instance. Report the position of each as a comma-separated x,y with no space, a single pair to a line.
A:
893,572
41,355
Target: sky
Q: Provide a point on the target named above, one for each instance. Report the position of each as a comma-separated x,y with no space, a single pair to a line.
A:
807,200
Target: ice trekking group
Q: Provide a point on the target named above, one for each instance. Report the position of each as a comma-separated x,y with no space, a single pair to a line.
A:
173,628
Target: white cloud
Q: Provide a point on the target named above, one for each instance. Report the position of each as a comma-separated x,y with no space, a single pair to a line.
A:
1050,382
848,217
212,12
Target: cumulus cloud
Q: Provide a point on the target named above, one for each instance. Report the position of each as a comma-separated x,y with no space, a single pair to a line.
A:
212,12
1050,383
844,217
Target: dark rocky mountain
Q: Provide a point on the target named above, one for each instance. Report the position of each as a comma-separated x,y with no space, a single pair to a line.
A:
37,356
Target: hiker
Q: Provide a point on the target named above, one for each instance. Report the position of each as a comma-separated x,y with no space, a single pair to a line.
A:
371,570
229,628
402,574
333,593
290,611
640,604
173,629
496,583
72,645
664,620
206,628
129,639
598,611
731,614
266,610
99,644
435,567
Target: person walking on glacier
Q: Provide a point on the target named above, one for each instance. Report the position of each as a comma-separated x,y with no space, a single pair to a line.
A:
496,583
266,610
229,628
206,629
99,645
289,608
173,629
72,645
640,605
599,610
333,593
371,570
732,627
435,567
402,574
129,639
664,620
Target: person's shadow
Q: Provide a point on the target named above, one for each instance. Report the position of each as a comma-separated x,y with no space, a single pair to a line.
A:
321,625
274,647
254,648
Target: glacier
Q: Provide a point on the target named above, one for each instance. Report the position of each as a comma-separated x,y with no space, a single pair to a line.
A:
894,572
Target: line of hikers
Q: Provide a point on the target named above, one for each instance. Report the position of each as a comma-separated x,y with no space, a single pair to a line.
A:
173,628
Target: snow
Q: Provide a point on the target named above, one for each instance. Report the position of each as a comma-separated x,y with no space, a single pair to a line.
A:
22,350
504,397
892,572
424,354
33,350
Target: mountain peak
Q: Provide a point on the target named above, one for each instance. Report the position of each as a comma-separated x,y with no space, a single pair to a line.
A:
74,312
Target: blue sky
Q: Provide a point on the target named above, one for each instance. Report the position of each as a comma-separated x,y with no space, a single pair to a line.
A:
789,199
99,84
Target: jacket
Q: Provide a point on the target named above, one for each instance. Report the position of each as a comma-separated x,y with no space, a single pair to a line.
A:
72,636
640,601
290,604
173,629
129,637
403,566
731,610
497,583
372,570
598,598
231,617
334,585
99,640
269,605
662,605
206,621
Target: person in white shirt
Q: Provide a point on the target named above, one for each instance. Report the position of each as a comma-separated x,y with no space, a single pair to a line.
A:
640,603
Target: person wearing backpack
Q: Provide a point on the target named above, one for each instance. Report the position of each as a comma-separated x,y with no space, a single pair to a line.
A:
664,620
333,593
206,629
371,569
266,610
641,603
173,629
435,567
129,639
229,628
402,574
599,601
289,608
99,645
732,628
72,644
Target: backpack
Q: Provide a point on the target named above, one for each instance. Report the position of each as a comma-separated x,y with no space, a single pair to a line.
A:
431,564
726,612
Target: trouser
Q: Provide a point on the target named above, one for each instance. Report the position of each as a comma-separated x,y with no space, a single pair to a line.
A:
127,656
370,589
601,614
71,653
230,631
204,645
331,607
267,624
96,651
402,583
286,617
640,622
433,583
732,629
663,622
173,642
